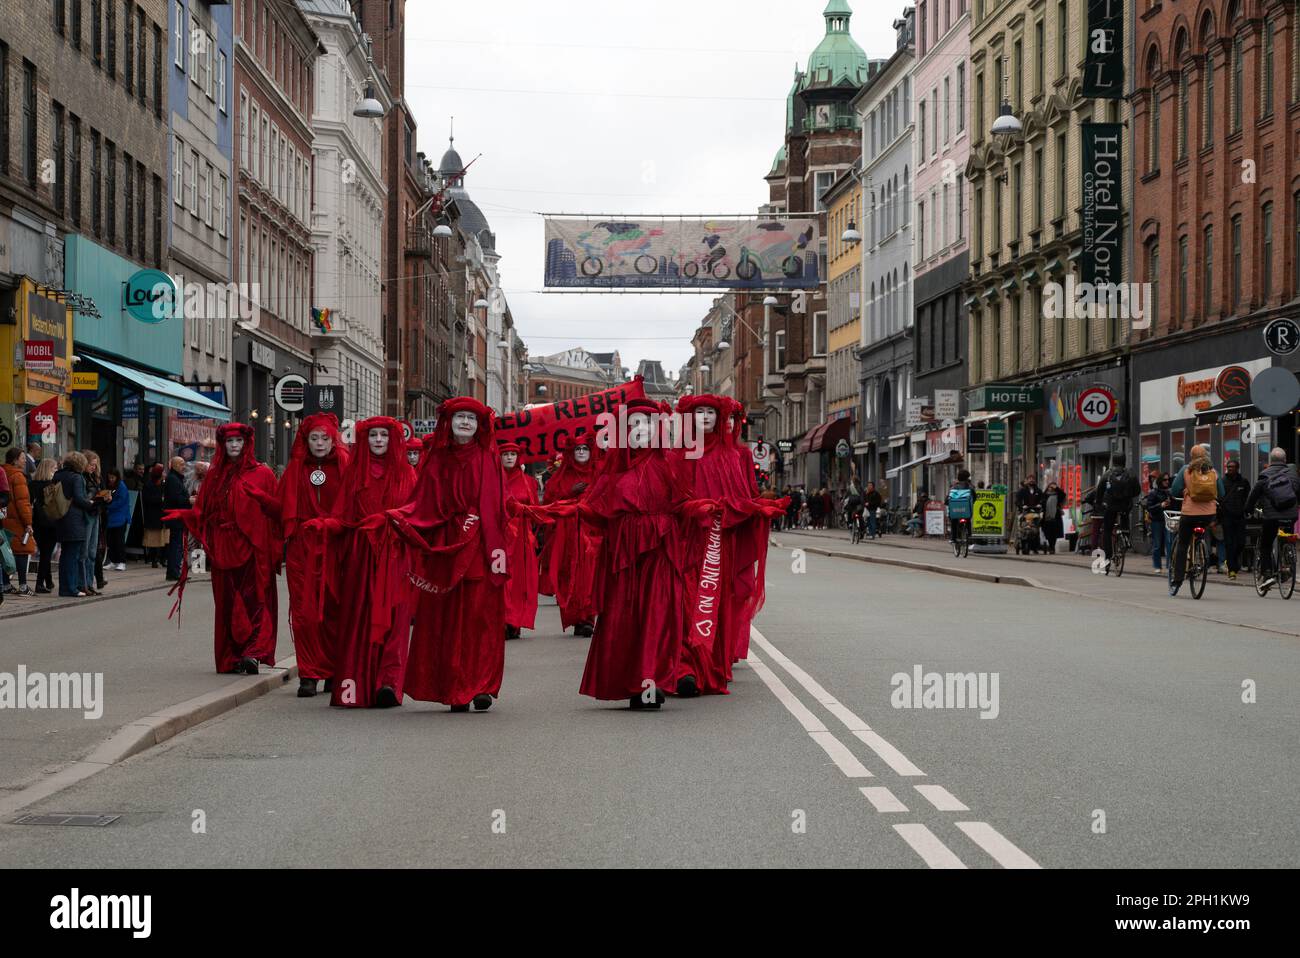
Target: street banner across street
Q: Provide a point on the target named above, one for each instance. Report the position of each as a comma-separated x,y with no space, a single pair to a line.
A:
641,252
543,430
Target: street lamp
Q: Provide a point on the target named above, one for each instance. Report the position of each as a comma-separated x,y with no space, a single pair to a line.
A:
442,231
850,235
369,108
481,304
1006,124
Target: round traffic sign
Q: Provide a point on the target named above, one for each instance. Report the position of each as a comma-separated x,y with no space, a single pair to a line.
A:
1282,336
408,431
1275,391
1096,406
290,393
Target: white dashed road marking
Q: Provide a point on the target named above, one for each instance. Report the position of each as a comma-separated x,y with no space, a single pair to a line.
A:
1003,852
932,851
882,798
941,798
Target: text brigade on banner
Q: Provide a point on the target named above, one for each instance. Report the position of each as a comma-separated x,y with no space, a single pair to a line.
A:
670,252
542,431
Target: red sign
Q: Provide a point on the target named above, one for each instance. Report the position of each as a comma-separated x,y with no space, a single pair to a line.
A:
1096,406
543,430
43,421
38,353
1233,383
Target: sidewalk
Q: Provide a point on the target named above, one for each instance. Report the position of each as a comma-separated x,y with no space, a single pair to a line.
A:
137,578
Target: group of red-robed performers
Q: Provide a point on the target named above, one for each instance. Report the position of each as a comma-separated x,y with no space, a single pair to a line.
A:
407,580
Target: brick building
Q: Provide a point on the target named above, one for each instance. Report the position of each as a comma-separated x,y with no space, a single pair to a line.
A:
1217,209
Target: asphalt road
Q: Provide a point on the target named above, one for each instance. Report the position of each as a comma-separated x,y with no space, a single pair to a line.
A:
1120,739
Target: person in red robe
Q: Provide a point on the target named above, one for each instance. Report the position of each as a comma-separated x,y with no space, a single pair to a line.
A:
521,590
458,557
235,518
373,634
637,500
308,490
572,545
414,451
726,543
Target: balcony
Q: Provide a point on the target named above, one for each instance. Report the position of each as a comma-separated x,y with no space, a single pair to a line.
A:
419,242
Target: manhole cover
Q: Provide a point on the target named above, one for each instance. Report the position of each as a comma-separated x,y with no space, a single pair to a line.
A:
67,818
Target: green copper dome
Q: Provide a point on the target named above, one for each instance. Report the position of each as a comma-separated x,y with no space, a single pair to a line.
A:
779,161
838,60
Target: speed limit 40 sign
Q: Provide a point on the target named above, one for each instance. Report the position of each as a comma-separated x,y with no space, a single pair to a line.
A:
1096,406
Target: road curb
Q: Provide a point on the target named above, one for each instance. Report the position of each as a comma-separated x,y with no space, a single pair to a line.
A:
144,733
922,567
89,600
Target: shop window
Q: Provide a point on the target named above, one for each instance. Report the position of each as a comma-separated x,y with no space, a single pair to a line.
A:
1177,451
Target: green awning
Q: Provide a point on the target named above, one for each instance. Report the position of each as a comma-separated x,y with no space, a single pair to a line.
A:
1030,277
970,301
164,392
1075,255
1010,284
990,294
1054,266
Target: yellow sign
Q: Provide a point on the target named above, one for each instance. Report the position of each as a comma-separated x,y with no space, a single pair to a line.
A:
38,315
85,382
988,515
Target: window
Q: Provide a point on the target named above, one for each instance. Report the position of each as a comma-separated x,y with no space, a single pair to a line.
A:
1039,172
961,97
60,16
1153,133
1040,42
920,119
823,181
96,184
920,229
961,212
943,239
978,106
1238,66
1266,74
76,24
1182,115
157,221
780,349
264,168
223,200
74,154
243,131
110,192
128,203
997,220
157,71
1295,240
1207,117
1207,273
1062,161
976,347
178,179
1062,37
140,205
1236,262
110,35
178,28
205,191
96,31
1266,266
1017,81
979,222
4,108
819,334
29,122
221,80
1017,191
128,56
934,118
195,169
60,166
141,54
947,110
1153,278
1183,265
1015,334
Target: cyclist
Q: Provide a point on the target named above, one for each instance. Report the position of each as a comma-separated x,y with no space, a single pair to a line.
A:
1115,493
853,502
1278,490
960,502
1200,488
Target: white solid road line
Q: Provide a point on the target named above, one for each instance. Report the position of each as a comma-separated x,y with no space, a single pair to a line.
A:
1002,851
941,798
891,756
839,752
882,798
932,851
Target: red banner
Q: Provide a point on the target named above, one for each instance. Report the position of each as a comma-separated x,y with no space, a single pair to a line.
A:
43,421
704,611
543,430
38,354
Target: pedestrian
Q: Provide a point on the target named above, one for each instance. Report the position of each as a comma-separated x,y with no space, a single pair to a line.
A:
308,490
815,508
828,509
1053,525
456,523
176,498
369,661
156,533
521,590
117,519
1278,492
72,525
916,521
1030,497
873,502
194,481
1155,503
235,521
31,459
1199,487
1232,515
93,559
46,529
136,478
18,521
568,563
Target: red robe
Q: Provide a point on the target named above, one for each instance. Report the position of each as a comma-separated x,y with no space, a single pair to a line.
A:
640,588
521,590
572,545
458,558
235,520
373,634
315,630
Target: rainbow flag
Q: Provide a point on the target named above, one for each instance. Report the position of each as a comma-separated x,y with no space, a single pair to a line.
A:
321,317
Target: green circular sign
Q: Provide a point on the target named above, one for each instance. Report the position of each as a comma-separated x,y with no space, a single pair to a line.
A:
151,296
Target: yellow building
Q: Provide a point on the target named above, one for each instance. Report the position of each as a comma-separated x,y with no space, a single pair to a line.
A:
38,317
844,291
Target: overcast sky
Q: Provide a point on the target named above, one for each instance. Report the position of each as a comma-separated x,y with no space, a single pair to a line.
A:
661,106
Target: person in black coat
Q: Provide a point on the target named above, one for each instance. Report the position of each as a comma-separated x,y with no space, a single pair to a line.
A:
151,510
175,496
71,529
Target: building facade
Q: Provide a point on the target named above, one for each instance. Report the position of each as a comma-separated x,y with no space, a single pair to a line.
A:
844,321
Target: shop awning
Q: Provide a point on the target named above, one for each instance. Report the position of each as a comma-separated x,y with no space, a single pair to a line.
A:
863,446
825,435
949,457
1237,413
1053,266
970,301
1010,284
891,473
1031,277
164,392
897,441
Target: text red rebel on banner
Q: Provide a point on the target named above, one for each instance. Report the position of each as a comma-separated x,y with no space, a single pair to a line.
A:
542,431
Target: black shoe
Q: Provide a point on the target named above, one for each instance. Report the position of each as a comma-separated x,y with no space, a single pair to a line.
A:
637,704
248,666
482,702
306,688
154,565
42,590
460,708
512,632
687,687
386,698
328,687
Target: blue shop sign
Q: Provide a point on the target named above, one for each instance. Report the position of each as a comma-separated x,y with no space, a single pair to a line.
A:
150,296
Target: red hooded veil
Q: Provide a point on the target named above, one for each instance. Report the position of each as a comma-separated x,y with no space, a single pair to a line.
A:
455,528
308,490
236,520
568,565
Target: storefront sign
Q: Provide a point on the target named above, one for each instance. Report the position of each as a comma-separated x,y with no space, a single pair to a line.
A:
842,449
1172,398
1006,398
785,445
260,355
1282,336
150,296
289,393
947,403
934,514
35,343
131,406
85,382
977,437
919,411
328,398
1103,62
997,437
987,518
1102,257
38,354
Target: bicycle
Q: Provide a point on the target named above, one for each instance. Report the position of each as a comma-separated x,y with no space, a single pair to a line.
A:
1121,543
1197,568
1283,564
857,524
961,538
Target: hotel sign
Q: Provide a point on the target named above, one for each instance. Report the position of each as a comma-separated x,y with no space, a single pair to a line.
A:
1103,63
1102,255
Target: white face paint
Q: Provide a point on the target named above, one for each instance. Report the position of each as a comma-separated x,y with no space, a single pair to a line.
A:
508,459
706,417
638,431
234,447
378,440
320,443
581,454
463,426
413,456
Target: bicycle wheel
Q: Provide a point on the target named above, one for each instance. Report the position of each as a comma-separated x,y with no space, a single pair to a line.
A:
646,265
965,541
956,544
1200,570
1286,570
591,266
747,270
1117,556
1259,576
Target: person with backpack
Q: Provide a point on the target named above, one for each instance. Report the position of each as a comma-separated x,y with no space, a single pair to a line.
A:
67,503
1232,515
47,536
1278,492
960,502
1115,494
1200,489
